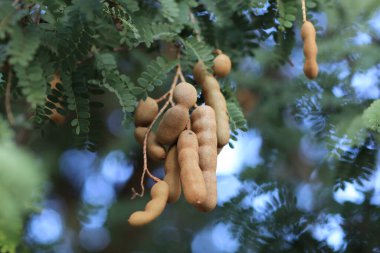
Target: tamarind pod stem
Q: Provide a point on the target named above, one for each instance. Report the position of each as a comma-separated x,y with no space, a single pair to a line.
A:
193,184
159,194
172,174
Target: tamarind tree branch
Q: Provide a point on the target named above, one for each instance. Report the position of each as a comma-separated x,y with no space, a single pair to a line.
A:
8,109
169,96
303,3
163,97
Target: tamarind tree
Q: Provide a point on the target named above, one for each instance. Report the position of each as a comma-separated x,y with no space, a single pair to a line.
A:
75,144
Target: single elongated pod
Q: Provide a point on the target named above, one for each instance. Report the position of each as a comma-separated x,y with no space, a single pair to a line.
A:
193,184
155,150
203,124
199,72
172,174
310,50
159,194
145,112
214,98
172,124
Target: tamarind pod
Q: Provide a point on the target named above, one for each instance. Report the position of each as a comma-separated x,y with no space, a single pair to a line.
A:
214,98
193,184
308,31
154,150
310,50
212,192
199,72
185,94
159,194
145,112
204,125
172,174
222,65
172,124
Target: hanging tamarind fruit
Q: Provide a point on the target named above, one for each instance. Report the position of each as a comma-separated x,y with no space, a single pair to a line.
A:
214,98
185,94
146,111
172,174
193,184
199,72
172,124
159,194
203,124
154,150
222,64
310,50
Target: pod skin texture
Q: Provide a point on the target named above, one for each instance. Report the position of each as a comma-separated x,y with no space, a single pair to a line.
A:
310,50
172,174
214,98
159,194
185,94
193,184
199,72
155,150
145,112
222,65
172,124
203,124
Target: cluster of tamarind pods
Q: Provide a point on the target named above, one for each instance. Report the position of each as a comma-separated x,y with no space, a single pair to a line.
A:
188,138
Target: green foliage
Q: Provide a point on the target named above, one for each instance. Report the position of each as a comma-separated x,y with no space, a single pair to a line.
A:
194,51
115,82
287,11
237,119
371,116
169,9
154,76
19,183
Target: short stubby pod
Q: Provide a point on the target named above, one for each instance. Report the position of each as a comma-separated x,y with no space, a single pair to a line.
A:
153,209
193,184
185,94
222,65
146,111
172,124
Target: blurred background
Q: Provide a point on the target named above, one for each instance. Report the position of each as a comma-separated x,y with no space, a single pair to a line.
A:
305,177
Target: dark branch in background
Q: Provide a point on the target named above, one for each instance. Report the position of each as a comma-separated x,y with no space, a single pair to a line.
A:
8,108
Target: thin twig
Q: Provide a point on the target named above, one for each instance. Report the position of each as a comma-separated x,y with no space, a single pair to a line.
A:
145,169
8,108
181,77
162,98
38,14
303,3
